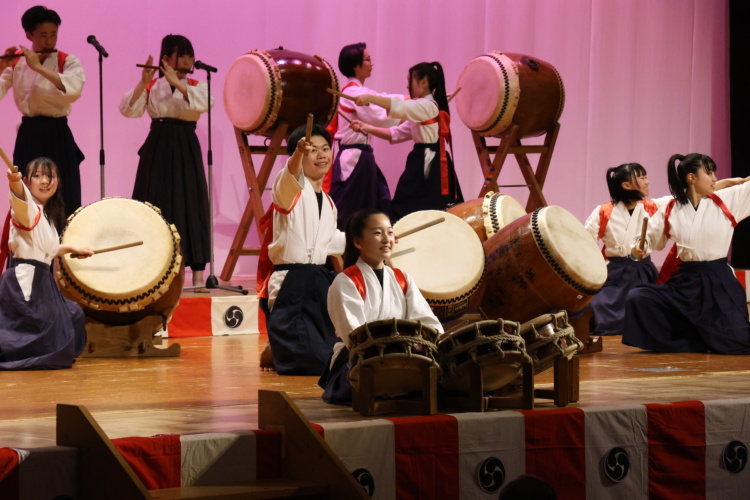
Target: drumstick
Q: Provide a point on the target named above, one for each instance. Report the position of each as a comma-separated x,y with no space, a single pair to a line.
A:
337,93
454,94
419,228
110,249
342,115
308,130
642,241
11,168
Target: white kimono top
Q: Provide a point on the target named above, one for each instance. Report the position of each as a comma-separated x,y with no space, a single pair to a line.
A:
416,111
163,102
41,243
373,115
300,236
348,311
704,234
37,96
622,228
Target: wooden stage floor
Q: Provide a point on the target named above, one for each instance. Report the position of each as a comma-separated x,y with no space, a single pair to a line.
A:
213,387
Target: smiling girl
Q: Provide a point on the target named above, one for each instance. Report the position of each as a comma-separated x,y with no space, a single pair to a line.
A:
702,308
39,328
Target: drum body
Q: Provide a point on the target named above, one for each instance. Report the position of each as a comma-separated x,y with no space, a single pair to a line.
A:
446,261
398,350
549,337
495,345
501,88
488,215
122,286
263,89
543,261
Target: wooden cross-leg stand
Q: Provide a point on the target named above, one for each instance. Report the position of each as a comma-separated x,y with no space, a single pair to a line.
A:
256,183
510,144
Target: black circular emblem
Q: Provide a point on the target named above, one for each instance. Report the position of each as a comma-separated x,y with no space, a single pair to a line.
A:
233,317
364,478
735,456
491,475
616,464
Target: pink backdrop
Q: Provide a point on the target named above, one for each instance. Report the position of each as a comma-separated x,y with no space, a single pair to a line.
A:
644,79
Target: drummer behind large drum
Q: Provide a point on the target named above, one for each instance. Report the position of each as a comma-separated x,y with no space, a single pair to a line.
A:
366,291
303,234
357,182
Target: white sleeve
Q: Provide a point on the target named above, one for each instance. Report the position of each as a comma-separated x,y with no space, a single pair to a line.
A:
137,109
737,200
345,307
6,81
286,187
655,233
24,212
593,223
414,110
198,97
72,78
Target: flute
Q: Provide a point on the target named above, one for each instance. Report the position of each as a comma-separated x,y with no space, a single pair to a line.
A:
147,66
21,54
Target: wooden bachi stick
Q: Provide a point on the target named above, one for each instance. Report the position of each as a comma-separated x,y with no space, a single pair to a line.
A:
421,227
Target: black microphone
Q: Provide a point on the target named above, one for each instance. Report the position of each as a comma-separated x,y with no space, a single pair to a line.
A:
204,66
92,40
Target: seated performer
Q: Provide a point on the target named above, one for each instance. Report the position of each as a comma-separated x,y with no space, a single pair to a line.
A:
702,307
304,233
45,83
356,180
39,328
429,180
170,169
367,290
618,223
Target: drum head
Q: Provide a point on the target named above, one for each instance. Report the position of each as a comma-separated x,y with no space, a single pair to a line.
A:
249,86
126,279
568,247
446,260
490,93
500,210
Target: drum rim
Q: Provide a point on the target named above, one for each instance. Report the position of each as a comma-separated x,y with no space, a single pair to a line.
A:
545,251
95,301
490,210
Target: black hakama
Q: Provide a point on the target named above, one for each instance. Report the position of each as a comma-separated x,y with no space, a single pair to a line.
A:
366,187
337,389
51,137
623,274
414,192
170,176
299,329
702,308
48,332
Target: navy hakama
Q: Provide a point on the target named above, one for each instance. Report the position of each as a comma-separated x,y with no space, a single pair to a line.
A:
702,308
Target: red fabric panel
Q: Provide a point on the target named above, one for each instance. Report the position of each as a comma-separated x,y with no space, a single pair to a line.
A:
267,454
9,484
556,449
426,450
192,318
677,450
156,460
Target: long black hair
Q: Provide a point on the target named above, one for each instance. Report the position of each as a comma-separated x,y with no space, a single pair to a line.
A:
680,166
627,172
435,79
350,57
54,209
355,226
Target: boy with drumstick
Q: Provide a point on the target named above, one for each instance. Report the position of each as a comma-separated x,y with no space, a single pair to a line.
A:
45,102
302,235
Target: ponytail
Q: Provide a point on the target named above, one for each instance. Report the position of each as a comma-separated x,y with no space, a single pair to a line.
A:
436,80
677,172
627,172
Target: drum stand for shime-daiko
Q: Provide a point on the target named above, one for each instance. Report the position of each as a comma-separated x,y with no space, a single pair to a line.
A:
256,183
425,403
511,144
134,340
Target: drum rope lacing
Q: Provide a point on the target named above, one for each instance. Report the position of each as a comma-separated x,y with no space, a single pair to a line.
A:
272,107
457,347
551,260
566,332
506,95
493,213
381,342
138,298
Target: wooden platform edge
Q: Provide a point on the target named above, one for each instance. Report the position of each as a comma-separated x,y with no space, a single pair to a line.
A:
306,455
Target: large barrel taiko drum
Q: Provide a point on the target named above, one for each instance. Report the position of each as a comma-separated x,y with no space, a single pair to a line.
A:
541,262
263,89
123,286
488,215
502,88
